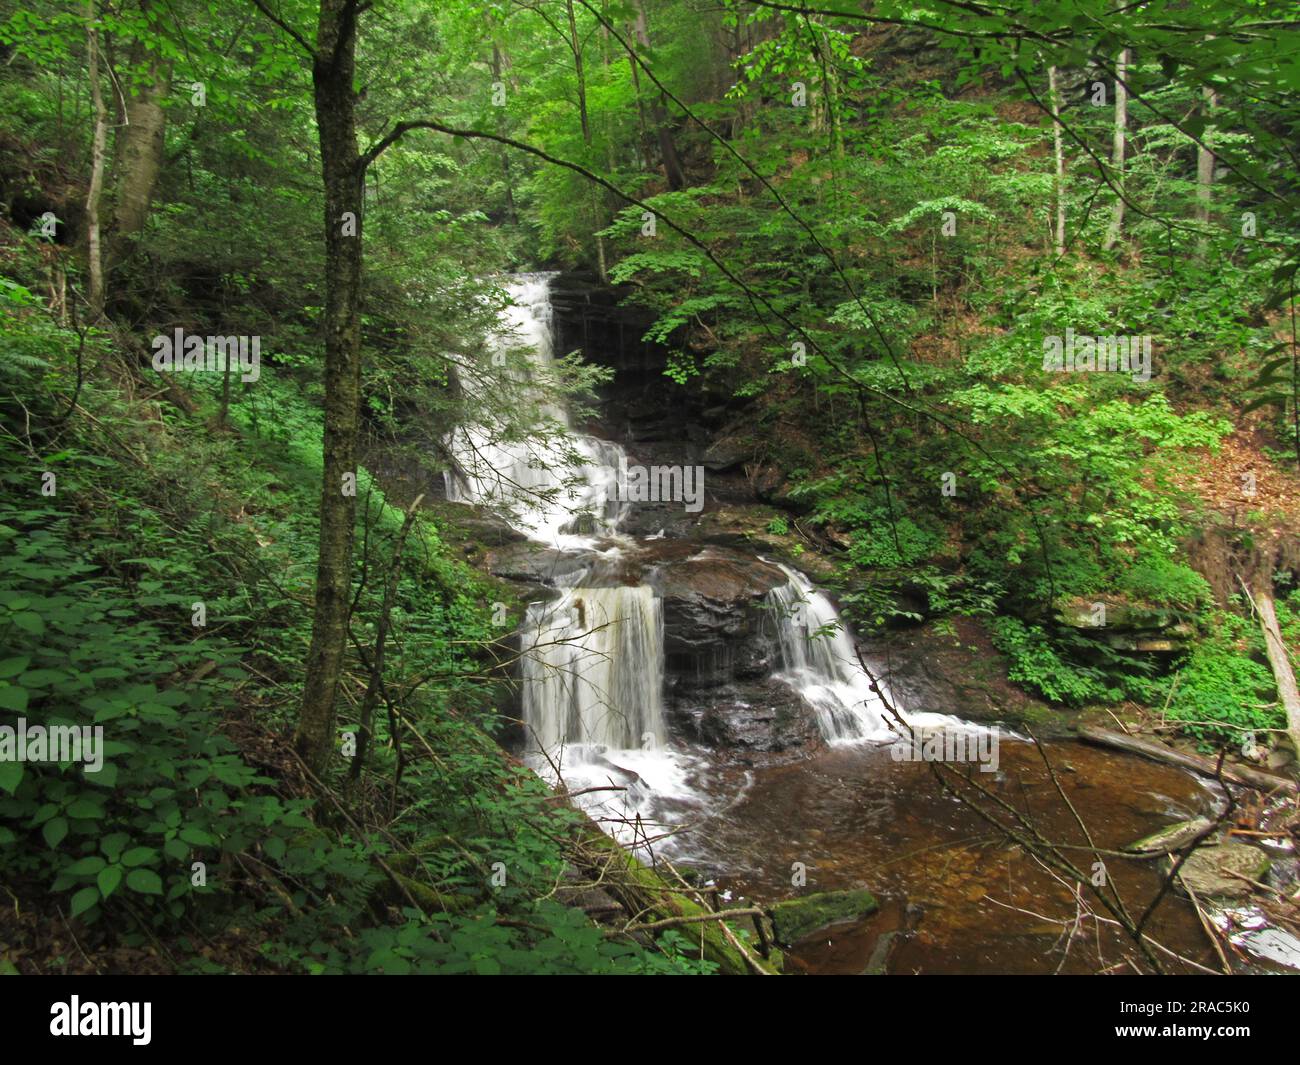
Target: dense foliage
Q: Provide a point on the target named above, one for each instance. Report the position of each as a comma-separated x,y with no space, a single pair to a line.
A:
856,228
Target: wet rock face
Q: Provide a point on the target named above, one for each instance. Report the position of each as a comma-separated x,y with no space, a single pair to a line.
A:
728,451
640,406
714,614
761,722
658,422
959,672
532,563
720,650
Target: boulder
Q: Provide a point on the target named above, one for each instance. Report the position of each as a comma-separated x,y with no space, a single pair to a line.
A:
759,721
1125,625
1207,870
533,564
793,919
488,529
728,451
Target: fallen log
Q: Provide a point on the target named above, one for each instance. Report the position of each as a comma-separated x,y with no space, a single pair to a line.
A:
1235,774
1278,658
644,892
648,896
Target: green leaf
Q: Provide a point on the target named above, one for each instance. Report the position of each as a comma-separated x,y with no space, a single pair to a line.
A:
29,622
196,836
108,879
139,856
54,831
86,808
11,667
86,866
44,678
13,698
10,775
145,881
83,900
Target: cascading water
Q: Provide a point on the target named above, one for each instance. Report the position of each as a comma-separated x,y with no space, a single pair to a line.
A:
549,481
819,662
592,659
593,669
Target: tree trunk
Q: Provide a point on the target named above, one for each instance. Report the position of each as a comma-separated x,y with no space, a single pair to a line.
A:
593,192
94,252
1059,152
138,150
1204,173
642,123
1117,149
1158,752
672,162
576,46
374,687
511,213
332,77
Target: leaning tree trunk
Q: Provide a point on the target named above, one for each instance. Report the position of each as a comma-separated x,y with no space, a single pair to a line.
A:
1278,658
332,76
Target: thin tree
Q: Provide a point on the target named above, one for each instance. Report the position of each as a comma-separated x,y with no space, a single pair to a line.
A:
1059,153
139,140
333,59
94,251
1118,148
1204,171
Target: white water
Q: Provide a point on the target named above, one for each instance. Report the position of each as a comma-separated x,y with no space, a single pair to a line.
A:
593,669
551,476
592,659
818,661
593,672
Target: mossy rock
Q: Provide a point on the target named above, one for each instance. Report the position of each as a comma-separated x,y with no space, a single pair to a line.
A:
1207,870
795,918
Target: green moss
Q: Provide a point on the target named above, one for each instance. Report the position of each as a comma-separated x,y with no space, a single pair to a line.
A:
795,918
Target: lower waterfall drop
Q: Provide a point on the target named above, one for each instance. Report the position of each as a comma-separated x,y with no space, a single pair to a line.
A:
593,678
593,670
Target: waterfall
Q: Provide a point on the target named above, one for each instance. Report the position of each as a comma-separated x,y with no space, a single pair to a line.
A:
818,660
592,659
593,672
550,482
593,669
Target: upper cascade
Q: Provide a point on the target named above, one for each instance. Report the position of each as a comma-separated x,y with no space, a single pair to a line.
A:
552,484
